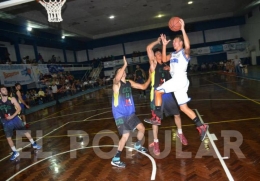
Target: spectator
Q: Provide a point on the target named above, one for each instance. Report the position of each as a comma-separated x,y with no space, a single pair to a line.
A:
41,95
55,93
236,63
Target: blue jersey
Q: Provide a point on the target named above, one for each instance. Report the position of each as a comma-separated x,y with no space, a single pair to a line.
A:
122,102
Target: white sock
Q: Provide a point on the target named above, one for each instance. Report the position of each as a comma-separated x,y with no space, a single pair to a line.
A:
31,140
180,131
156,140
13,148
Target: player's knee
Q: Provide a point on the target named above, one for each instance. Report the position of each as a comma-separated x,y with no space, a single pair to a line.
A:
183,107
177,117
124,137
141,128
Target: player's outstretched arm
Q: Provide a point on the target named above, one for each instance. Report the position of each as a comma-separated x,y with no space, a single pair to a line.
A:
150,53
185,38
120,72
164,42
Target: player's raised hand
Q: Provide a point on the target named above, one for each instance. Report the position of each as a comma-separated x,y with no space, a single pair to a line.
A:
164,40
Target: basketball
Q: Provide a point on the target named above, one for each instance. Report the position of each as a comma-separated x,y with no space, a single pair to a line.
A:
174,24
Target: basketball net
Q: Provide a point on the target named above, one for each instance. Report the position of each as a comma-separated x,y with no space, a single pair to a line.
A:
53,8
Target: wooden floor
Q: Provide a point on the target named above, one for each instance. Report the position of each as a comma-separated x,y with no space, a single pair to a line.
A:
78,138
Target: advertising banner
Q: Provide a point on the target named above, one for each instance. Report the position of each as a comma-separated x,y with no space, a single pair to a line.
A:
12,74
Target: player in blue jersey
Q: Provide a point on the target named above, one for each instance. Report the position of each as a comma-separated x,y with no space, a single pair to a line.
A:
123,109
9,111
179,82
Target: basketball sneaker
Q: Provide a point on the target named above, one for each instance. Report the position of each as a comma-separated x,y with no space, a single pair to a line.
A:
202,131
35,146
154,120
140,148
26,125
116,162
156,148
14,155
182,139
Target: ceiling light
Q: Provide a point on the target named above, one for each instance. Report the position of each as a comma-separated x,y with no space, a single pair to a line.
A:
63,37
111,17
29,28
190,2
159,16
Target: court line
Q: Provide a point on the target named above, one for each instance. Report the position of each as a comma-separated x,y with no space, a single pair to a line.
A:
54,113
234,92
230,178
154,169
53,131
73,114
165,127
224,99
243,77
44,119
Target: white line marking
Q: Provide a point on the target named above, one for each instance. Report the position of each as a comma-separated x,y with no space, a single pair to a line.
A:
57,129
213,136
230,178
150,157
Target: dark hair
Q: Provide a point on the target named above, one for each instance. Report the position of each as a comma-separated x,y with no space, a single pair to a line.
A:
17,84
180,37
157,50
2,86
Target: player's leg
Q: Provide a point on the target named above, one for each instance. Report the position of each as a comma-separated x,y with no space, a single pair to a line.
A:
167,87
18,125
34,144
182,99
8,129
15,153
152,105
133,122
180,134
22,115
138,145
155,143
125,132
171,108
116,161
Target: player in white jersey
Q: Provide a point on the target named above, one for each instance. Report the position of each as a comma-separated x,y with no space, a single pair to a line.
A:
179,82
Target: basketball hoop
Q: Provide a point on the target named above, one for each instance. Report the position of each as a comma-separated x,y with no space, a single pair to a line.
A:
53,8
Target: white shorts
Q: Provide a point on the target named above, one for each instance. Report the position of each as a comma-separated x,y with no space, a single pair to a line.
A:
179,86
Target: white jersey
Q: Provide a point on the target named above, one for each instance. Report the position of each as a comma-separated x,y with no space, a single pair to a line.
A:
178,64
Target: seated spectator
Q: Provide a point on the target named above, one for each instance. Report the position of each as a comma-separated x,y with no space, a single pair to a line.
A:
41,95
48,94
73,88
67,89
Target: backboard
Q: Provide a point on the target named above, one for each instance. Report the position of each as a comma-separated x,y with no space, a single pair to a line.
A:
10,3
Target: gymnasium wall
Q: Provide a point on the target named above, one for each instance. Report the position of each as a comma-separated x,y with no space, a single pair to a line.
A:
196,38
70,56
10,49
200,34
82,56
106,51
250,31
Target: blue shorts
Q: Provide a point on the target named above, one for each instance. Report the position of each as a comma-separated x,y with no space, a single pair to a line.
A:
22,109
11,125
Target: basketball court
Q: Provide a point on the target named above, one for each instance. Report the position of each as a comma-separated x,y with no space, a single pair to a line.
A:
79,138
